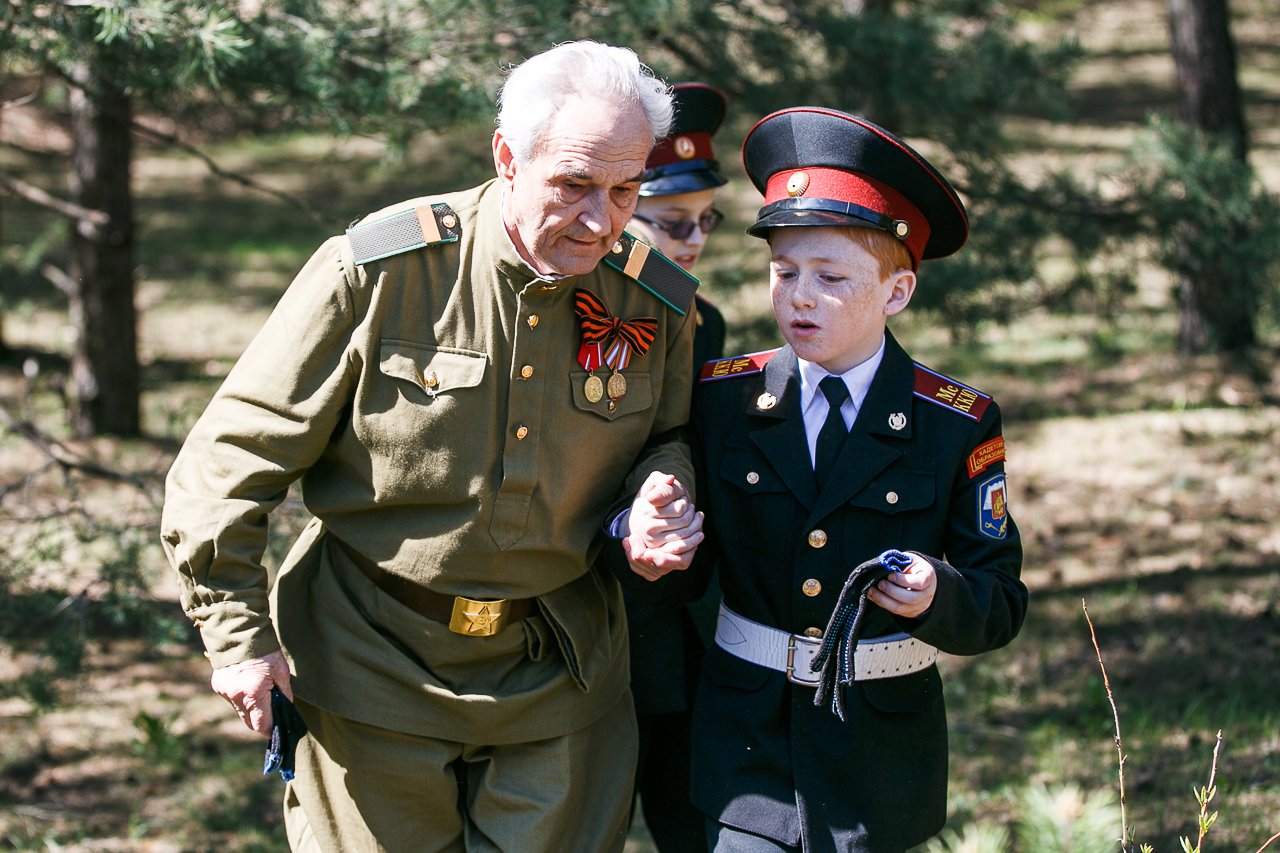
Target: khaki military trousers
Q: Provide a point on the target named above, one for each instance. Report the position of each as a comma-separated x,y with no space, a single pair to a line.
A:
361,788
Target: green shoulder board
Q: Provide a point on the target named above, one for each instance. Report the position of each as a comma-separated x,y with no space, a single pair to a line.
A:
655,272
423,226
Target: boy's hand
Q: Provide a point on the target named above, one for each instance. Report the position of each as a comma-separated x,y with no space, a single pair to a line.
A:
664,528
908,593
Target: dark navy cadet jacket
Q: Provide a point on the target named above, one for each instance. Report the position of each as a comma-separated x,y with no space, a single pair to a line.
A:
766,760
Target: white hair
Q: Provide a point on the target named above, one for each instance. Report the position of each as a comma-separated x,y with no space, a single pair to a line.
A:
537,88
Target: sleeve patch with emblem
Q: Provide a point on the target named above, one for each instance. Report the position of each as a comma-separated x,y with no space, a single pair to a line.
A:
950,394
985,455
993,508
738,365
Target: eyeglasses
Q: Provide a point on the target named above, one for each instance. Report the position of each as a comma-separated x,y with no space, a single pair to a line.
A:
681,230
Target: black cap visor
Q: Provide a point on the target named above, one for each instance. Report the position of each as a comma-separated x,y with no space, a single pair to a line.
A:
791,212
690,176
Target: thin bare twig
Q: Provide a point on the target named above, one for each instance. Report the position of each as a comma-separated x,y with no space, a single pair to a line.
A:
35,195
1268,844
1205,796
1126,841
243,180
17,102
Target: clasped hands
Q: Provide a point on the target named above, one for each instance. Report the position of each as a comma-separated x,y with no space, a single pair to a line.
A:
665,529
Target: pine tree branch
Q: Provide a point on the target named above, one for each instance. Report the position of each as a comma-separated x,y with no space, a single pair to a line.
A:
35,195
59,454
243,180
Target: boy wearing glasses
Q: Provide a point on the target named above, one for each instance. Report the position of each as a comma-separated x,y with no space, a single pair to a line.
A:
675,215
814,729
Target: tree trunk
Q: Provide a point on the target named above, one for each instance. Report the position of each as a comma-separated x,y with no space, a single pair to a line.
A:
1209,100
105,385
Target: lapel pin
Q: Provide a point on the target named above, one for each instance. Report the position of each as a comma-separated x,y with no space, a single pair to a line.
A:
766,401
897,420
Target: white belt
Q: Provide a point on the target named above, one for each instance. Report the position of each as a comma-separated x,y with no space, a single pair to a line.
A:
882,657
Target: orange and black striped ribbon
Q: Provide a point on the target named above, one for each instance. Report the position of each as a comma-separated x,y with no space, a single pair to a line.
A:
602,332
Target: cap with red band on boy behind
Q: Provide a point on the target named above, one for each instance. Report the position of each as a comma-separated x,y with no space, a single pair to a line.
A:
684,161
823,167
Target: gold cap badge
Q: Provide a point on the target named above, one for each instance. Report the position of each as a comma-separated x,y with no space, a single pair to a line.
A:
684,147
797,184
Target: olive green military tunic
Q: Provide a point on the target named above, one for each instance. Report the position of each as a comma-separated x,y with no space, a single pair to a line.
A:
433,405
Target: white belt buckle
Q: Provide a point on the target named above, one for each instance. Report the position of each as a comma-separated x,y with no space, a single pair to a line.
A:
800,654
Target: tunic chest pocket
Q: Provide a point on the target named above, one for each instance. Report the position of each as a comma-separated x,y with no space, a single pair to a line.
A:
637,397
432,370
760,504
895,492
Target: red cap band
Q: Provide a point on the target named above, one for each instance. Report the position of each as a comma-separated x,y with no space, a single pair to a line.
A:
856,189
694,145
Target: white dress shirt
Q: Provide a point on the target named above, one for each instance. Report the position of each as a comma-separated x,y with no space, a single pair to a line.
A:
814,405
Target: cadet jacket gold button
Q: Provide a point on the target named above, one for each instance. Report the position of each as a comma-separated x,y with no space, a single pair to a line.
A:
892,497
533,320
430,380
522,432
818,538
753,477
448,220
811,587
526,371
813,633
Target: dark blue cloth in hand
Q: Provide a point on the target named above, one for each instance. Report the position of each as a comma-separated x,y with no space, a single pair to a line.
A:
839,641
287,729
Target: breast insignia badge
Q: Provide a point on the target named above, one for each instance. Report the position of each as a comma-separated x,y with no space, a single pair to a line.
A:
897,421
766,401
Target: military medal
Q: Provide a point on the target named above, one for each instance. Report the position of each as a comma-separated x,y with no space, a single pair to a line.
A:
609,341
594,389
617,386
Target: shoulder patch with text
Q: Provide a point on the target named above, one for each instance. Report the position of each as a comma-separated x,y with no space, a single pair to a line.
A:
993,508
950,394
985,455
739,365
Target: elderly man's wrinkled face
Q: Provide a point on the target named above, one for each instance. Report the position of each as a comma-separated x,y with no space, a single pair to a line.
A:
567,206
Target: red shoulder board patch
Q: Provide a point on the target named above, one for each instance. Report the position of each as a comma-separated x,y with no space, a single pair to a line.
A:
950,394
985,455
739,365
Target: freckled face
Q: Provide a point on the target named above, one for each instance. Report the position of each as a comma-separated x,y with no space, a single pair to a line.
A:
567,206
828,297
670,209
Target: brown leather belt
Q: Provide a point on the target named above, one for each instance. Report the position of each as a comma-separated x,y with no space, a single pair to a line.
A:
463,615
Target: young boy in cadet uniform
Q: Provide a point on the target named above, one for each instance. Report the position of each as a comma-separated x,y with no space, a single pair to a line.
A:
815,459
676,214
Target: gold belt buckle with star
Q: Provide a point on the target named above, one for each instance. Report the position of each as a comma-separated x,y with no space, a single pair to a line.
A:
478,618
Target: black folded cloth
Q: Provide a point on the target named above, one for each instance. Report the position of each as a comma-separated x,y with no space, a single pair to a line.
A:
839,641
287,728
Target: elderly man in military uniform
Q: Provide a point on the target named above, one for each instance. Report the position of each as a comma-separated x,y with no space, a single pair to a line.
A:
465,384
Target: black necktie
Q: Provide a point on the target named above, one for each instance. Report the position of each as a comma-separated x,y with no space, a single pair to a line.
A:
833,433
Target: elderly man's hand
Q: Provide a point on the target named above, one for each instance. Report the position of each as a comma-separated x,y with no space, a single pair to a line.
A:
665,528
908,593
247,686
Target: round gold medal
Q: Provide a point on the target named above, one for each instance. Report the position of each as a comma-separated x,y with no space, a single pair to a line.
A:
617,386
594,389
